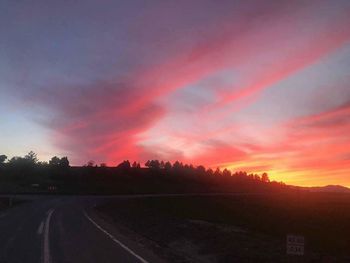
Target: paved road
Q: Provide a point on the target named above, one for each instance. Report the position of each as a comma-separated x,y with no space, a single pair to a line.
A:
62,229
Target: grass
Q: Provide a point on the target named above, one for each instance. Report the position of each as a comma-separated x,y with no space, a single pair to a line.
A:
323,218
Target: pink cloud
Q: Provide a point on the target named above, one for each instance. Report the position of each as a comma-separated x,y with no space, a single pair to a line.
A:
104,120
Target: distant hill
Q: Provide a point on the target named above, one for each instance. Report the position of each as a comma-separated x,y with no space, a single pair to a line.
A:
328,189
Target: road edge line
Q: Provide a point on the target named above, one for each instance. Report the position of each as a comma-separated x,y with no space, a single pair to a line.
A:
114,239
40,228
46,256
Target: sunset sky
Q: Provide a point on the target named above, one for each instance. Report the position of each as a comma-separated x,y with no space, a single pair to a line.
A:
249,85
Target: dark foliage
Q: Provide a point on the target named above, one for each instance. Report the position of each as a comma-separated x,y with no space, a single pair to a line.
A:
27,174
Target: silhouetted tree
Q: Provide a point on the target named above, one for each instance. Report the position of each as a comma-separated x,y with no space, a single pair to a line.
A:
167,166
226,173
31,157
22,167
64,162
251,176
136,165
42,163
90,163
15,161
200,170
210,172
2,158
217,172
177,166
265,178
125,165
54,161
27,161
28,170
153,164
59,167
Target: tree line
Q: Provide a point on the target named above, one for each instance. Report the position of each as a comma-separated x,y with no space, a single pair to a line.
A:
30,161
154,176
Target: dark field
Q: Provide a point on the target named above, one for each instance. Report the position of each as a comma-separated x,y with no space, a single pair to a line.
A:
6,202
238,228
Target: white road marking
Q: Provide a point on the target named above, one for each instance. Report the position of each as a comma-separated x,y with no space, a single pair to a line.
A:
46,256
40,228
115,240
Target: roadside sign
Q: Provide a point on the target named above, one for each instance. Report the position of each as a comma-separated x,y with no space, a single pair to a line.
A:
295,245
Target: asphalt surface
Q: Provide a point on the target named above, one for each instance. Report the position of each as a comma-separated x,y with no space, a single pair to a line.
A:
62,229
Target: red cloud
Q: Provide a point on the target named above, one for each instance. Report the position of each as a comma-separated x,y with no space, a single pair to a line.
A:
91,122
103,120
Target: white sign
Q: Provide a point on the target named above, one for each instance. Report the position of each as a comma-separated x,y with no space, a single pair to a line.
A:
295,245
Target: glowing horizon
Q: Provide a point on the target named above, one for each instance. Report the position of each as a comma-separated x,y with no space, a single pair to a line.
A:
261,87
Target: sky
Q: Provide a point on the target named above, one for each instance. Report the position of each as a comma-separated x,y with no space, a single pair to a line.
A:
259,86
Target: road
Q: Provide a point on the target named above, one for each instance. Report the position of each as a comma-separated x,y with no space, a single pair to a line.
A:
63,229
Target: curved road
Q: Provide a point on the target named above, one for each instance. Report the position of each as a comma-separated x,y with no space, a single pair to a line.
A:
63,229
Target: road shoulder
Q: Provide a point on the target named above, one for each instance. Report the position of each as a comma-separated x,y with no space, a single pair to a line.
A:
139,245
